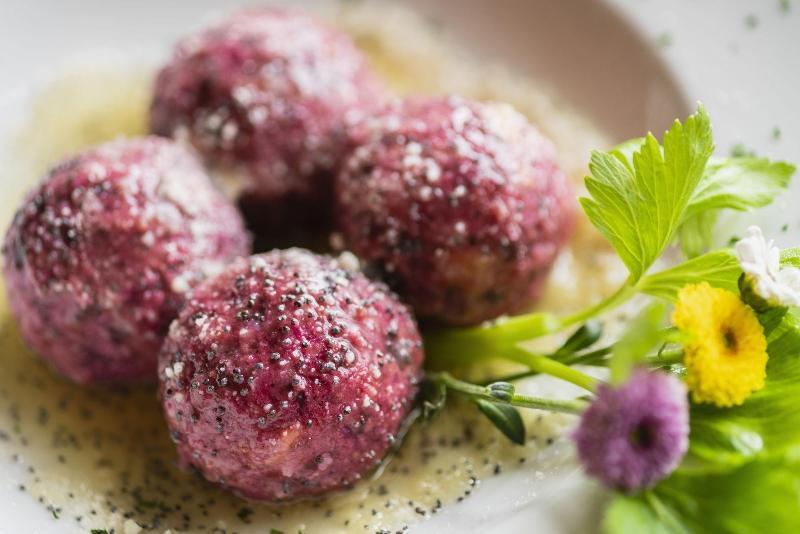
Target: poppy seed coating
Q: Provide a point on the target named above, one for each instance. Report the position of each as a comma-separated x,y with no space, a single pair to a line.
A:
269,93
99,256
288,375
459,204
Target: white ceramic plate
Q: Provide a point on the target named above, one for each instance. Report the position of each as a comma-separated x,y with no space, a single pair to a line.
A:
739,58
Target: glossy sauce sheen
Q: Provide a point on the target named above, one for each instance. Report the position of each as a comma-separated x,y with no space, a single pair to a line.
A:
98,458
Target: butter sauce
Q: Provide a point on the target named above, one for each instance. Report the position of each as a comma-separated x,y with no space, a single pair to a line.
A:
103,459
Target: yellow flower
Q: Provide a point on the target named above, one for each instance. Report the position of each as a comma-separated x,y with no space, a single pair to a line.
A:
726,353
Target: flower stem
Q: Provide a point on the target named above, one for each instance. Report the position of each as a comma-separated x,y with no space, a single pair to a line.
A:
447,347
595,357
522,401
621,295
554,405
545,365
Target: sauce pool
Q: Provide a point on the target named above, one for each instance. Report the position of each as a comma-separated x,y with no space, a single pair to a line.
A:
103,459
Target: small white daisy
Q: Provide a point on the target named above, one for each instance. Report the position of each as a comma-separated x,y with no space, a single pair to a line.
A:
761,262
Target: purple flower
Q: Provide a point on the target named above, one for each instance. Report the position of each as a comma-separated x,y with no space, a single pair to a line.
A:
634,435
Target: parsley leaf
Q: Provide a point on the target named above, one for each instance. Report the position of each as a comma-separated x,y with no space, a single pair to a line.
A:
695,235
625,150
736,183
790,257
739,184
756,497
719,268
634,515
639,207
759,496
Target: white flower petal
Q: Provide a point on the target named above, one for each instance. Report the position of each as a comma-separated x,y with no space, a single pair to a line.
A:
773,260
789,280
790,276
760,260
751,251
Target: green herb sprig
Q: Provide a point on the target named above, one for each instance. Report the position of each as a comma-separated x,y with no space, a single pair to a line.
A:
642,196
742,470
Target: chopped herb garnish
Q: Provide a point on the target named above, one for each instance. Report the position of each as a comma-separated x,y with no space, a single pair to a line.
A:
148,504
244,514
664,40
739,150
